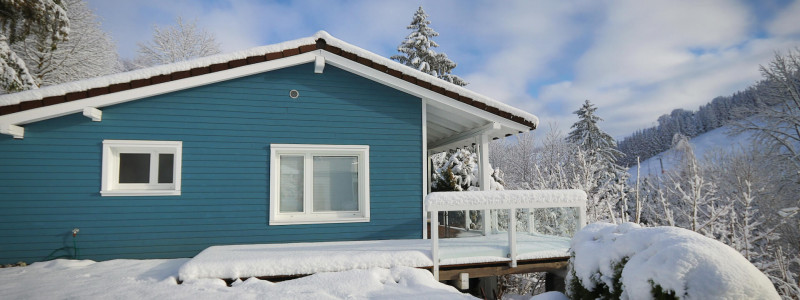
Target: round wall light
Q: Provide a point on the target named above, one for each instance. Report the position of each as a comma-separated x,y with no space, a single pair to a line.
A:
294,94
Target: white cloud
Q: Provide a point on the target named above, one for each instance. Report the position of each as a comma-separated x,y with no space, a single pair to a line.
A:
788,20
648,58
642,42
634,59
520,43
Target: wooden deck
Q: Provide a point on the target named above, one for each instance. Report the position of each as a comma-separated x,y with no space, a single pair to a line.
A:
475,270
480,256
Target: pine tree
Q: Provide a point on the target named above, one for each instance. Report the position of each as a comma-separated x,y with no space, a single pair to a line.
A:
417,51
20,19
589,137
598,172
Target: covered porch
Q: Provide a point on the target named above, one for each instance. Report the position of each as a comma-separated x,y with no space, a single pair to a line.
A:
448,125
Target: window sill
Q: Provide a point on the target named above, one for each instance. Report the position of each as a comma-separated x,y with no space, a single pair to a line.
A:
295,221
115,193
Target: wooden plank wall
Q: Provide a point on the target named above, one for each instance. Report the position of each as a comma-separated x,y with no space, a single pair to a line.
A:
50,180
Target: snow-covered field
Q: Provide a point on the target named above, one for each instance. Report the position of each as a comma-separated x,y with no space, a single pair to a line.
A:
157,279
703,145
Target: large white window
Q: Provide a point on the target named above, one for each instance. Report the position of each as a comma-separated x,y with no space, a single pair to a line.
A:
318,184
141,168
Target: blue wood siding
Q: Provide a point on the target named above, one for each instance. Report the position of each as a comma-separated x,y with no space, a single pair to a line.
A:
50,181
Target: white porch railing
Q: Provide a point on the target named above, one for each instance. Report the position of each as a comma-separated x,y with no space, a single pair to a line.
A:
511,200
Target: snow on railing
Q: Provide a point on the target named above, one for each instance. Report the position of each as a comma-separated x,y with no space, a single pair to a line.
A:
511,200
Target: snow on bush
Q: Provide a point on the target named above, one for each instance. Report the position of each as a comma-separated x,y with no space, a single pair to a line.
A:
629,262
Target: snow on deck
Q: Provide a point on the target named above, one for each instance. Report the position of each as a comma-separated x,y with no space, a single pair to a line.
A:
242,261
441,201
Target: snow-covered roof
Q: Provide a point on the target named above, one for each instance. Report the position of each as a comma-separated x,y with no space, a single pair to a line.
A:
71,91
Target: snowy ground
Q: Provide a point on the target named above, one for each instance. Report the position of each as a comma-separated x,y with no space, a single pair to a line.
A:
157,279
385,271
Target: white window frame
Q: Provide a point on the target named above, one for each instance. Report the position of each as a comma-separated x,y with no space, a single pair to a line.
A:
110,185
308,216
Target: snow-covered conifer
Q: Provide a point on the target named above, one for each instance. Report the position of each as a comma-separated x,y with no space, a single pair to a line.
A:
89,52
416,51
19,20
596,155
589,137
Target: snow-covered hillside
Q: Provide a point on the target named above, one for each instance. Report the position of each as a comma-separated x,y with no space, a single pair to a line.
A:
704,145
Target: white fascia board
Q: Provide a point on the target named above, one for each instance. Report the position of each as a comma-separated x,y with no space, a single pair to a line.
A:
439,100
57,110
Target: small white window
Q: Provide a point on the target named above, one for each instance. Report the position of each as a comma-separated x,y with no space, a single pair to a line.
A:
318,184
141,168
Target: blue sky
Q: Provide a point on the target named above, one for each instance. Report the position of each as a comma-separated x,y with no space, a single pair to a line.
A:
636,60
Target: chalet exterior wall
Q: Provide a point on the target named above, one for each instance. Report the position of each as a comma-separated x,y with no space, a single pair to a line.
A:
50,180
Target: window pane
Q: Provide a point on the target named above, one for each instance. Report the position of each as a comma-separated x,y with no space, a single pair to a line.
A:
335,183
291,192
166,164
134,168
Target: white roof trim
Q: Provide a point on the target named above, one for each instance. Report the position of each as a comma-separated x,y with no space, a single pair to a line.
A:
57,110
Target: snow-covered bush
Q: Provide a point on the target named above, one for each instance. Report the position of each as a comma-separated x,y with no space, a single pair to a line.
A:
457,170
630,262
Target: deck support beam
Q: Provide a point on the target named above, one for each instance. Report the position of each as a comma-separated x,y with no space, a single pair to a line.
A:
452,272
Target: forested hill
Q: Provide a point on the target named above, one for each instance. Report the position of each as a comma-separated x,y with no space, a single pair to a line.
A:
648,142
704,146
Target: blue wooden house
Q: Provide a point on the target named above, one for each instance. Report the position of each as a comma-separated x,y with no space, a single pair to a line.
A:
304,141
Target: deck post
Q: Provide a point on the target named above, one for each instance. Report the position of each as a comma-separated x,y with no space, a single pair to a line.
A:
531,224
581,217
512,237
426,165
485,176
435,243
467,220
495,220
